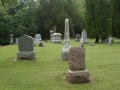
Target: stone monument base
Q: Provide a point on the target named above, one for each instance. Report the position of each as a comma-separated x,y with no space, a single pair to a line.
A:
109,44
78,76
65,55
56,41
28,55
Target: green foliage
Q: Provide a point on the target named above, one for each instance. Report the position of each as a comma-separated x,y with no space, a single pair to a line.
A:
97,19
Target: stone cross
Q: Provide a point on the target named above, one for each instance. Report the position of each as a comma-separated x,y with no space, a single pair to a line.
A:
77,72
26,48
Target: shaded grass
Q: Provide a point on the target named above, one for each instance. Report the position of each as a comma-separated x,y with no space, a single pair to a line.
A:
48,71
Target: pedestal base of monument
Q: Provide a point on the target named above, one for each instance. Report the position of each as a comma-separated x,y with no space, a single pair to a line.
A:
78,76
65,55
109,44
56,41
28,55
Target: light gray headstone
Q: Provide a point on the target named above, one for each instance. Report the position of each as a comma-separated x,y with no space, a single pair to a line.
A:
56,38
16,41
84,37
37,37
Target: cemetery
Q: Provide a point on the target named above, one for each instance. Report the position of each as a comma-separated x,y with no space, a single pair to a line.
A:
48,71
59,45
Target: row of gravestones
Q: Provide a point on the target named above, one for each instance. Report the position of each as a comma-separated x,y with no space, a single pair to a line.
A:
83,38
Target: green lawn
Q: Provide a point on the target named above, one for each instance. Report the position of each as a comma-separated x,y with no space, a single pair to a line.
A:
48,71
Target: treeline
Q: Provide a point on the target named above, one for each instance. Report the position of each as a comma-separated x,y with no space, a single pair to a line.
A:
20,17
102,18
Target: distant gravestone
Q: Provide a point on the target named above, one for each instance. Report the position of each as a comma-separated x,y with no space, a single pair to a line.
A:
11,39
110,39
51,32
84,37
77,72
56,38
25,47
37,37
40,43
77,37
16,41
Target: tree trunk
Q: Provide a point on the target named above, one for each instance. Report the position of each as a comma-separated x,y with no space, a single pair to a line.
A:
72,29
96,40
54,28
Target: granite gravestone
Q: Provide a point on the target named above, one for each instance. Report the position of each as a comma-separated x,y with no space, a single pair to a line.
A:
84,37
66,46
110,39
26,48
56,38
77,72
77,37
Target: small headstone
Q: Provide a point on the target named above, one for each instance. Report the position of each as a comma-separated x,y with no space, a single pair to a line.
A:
16,41
110,39
77,37
37,37
56,38
26,48
91,44
11,39
40,43
84,37
51,32
77,72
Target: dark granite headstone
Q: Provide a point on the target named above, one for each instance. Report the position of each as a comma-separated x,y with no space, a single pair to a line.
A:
26,48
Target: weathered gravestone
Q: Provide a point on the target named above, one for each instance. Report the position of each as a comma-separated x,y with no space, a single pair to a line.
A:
40,43
77,72
26,48
16,41
84,37
77,37
66,46
37,37
110,39
11,39
51,32
56,38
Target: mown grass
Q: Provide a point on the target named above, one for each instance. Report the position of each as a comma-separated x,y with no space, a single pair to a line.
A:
48,71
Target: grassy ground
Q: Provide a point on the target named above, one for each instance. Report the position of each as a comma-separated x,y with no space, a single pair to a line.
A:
48,71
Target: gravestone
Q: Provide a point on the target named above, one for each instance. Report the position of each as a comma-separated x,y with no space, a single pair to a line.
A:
77,37
66,45
16,41
56,38
11,39
26,48
105,40
51,32
110,39
40,43
77,72
37,38
84,37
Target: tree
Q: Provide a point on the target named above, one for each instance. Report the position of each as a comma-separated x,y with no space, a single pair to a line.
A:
97,19
116,18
